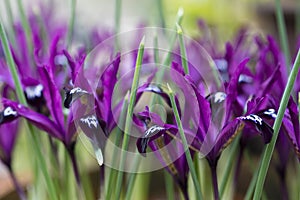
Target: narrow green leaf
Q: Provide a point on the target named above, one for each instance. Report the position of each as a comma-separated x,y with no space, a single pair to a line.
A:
270,147
128,122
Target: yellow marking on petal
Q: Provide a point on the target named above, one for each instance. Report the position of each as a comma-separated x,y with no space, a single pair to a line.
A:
166,156
84,100
238,130
178,139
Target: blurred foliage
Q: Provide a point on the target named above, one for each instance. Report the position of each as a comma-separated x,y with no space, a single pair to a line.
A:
227,15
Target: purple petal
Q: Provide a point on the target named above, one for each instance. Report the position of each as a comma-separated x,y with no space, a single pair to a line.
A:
204,117
151,134
227,134
13,110
157,90
262,127
293,110
232,88
52,95
8,135
109,80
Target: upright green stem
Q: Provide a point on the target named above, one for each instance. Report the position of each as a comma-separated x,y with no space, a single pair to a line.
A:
21,97
131,182
283,34
26,26
179,18
112,173
118,6
185,144
253,181
71,22
270,147
10,21
168,179
72,155
159,4
129,115
184,61
228,167
12,66
169,185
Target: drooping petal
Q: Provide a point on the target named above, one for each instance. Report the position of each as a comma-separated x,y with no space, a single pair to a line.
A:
263,128
151,134
91,127
13,110
72,95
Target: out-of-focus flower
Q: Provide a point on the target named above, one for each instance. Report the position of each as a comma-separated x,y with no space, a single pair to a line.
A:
211,136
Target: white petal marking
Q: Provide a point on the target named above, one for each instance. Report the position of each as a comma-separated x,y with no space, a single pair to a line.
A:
91,121
9,111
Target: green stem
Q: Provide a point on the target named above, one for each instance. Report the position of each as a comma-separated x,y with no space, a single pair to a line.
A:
33,139
197,166
118,6
270,147
42,164
185,144
228,167
168,179
167,60
66,175
251,186
131,182
162,21
128,122
12,66
71,22
26,26
112,173
184,61
169,185
283,34
10,21
179,18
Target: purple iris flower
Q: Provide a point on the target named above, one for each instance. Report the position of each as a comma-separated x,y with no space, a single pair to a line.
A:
212,135
94,115
158,136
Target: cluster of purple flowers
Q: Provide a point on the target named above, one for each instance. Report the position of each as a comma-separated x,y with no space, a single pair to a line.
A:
253,78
